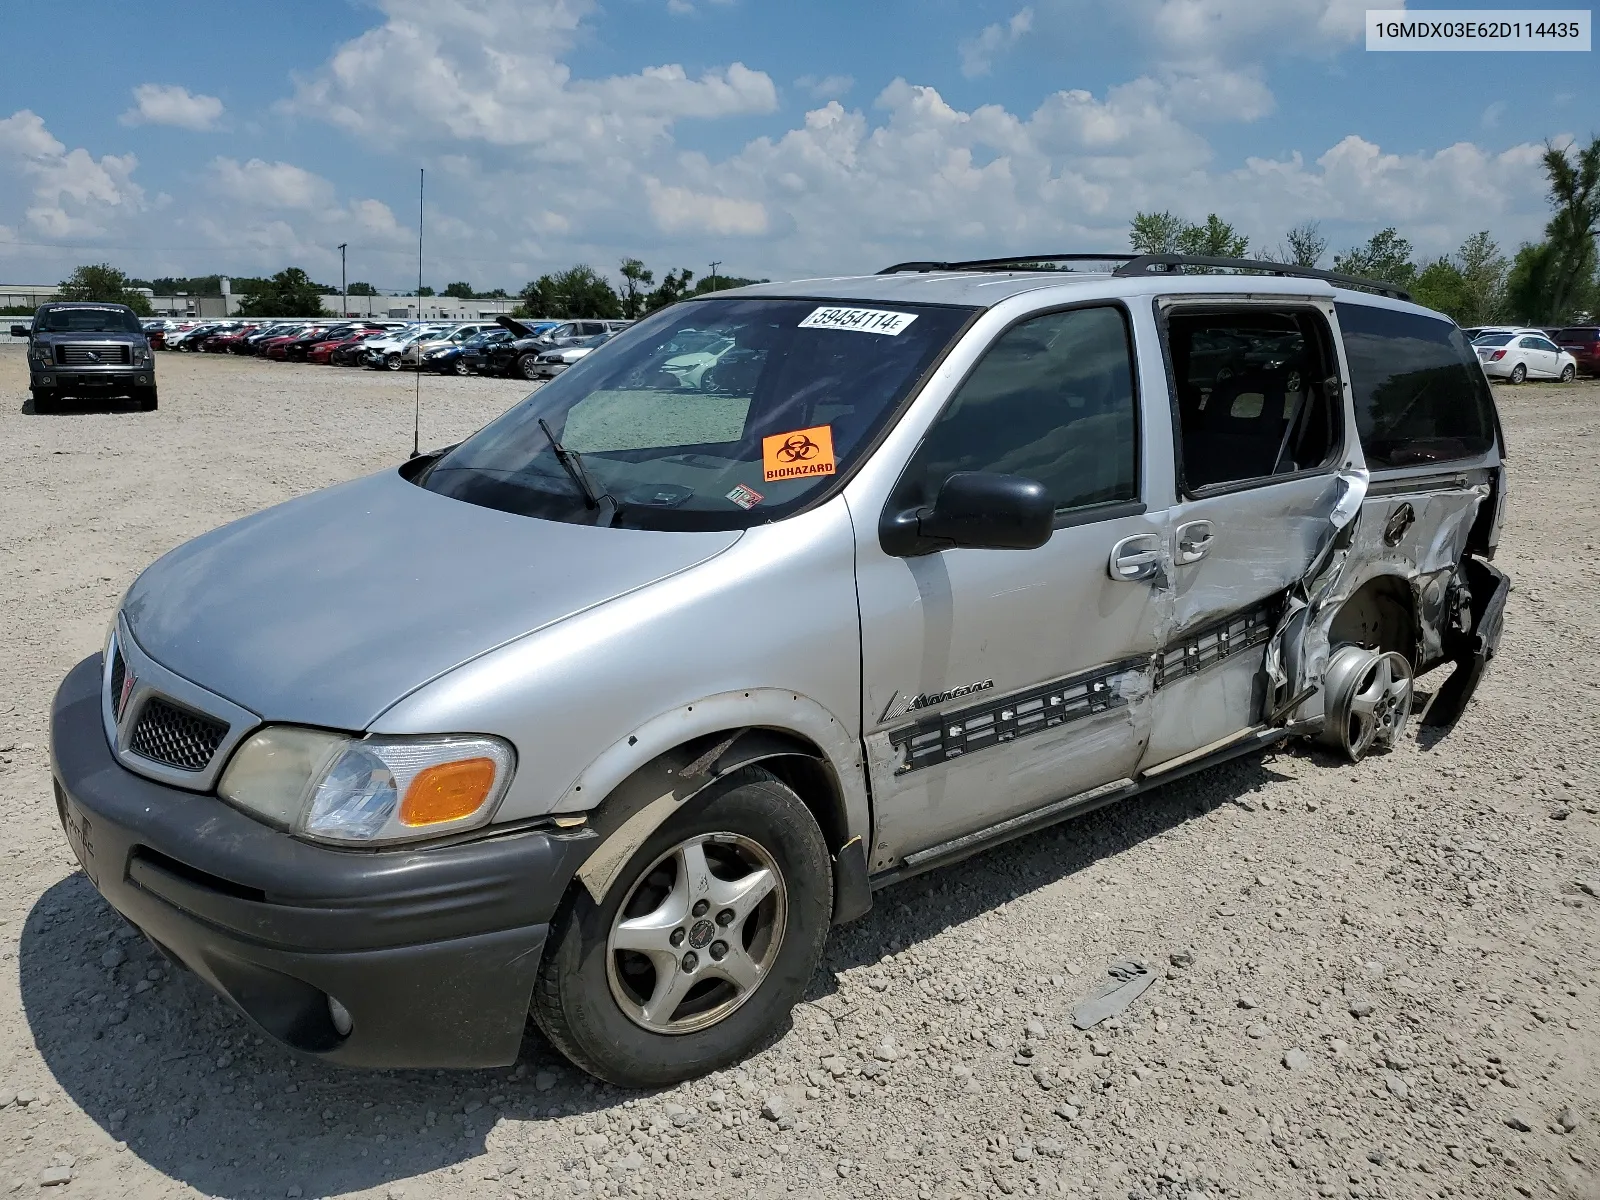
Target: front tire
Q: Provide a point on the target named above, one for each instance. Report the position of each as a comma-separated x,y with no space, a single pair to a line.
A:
146,398
701,947
44,400
392,362
460,368
1519,373
1568,373
525,365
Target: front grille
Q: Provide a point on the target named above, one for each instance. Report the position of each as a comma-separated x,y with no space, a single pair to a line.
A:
76,354
119,673
175,737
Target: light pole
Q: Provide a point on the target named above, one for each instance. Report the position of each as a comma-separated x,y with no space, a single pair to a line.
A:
344,289
715,263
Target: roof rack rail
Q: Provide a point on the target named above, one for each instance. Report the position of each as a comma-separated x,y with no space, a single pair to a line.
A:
1145,264
1013,261
1133,265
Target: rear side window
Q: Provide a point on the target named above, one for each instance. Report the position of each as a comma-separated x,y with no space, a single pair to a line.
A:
1420,394
1581,336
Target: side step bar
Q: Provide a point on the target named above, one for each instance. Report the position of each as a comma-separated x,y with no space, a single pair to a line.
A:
1078,805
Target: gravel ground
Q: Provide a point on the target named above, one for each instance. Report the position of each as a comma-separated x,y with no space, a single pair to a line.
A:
1373,981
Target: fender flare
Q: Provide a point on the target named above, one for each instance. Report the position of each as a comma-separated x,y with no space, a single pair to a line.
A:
644,801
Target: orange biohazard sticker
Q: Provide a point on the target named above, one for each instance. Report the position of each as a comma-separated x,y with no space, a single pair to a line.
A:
798,454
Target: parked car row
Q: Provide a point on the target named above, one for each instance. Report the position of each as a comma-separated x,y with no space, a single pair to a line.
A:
1517,354
533,350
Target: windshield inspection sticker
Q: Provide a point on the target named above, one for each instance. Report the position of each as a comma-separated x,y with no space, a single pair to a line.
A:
795,455
745,497
859,320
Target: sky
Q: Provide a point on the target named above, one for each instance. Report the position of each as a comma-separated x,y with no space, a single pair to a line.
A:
783,140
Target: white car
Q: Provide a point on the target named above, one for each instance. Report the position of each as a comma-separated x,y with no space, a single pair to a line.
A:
385,352
691,366
1524,355
414,352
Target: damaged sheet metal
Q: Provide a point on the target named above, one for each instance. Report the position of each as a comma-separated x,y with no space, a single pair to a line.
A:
1418,539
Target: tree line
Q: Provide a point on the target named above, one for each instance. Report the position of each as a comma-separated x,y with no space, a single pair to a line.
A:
1555,281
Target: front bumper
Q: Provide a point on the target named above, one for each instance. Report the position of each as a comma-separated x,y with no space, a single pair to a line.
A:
548,370
71,379
433,952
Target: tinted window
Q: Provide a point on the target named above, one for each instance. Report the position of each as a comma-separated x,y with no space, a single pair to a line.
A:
1052,400
1531,343
1579,336
1490,339
1420,394
88,320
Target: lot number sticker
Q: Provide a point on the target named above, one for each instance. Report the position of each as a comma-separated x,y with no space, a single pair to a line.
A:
859,320
798,454
745,497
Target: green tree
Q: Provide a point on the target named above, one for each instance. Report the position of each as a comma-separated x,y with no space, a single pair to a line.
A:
362,289
1483,274
579,291
1555,280
1441,286
104,284
1215,239
636,279
495,294
461,291
1156,233
289,293
1530,283
674,286
425,290
1386,258
1303,246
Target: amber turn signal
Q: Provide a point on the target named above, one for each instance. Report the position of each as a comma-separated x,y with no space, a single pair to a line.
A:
447,792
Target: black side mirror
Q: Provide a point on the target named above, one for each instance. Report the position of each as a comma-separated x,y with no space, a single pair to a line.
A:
979,510
21,331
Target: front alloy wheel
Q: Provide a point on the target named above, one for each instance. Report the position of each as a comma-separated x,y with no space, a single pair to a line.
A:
525,364
1568,372
697,933
696,954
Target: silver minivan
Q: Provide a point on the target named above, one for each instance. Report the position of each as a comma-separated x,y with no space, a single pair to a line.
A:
607,713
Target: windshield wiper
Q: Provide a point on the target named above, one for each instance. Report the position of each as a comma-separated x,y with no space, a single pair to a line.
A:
572,463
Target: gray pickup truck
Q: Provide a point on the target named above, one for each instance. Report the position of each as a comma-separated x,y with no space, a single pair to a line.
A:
88,350
610,711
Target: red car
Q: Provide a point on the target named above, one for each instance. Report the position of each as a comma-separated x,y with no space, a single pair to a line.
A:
323,351
222,343
1583,343
278,347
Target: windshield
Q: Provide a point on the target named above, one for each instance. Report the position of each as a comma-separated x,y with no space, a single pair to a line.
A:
88,320
724,441
1493,339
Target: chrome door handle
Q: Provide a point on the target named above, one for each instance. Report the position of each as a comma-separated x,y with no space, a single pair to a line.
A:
1193,542
1136,558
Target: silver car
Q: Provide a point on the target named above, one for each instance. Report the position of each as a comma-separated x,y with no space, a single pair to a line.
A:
610,711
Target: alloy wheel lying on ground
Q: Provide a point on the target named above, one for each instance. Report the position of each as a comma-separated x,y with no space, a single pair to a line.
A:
702,946
1369,700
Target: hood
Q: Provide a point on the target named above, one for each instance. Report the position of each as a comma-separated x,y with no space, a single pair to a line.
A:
329,608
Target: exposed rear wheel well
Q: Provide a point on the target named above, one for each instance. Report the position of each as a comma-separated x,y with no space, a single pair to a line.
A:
1380,614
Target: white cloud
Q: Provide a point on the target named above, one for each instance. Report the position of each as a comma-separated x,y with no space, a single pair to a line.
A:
1492,114
828,87
978,54
477,71
270,185
677,209
72,193
169,104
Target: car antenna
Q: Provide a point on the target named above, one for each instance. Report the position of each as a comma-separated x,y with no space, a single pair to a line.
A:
416,412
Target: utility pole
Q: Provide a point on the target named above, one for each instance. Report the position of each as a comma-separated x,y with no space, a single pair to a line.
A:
344,288
715,263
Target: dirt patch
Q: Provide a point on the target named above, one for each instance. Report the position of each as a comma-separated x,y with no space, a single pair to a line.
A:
1373,981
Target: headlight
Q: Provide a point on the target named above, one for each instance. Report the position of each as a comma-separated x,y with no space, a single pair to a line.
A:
334,788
